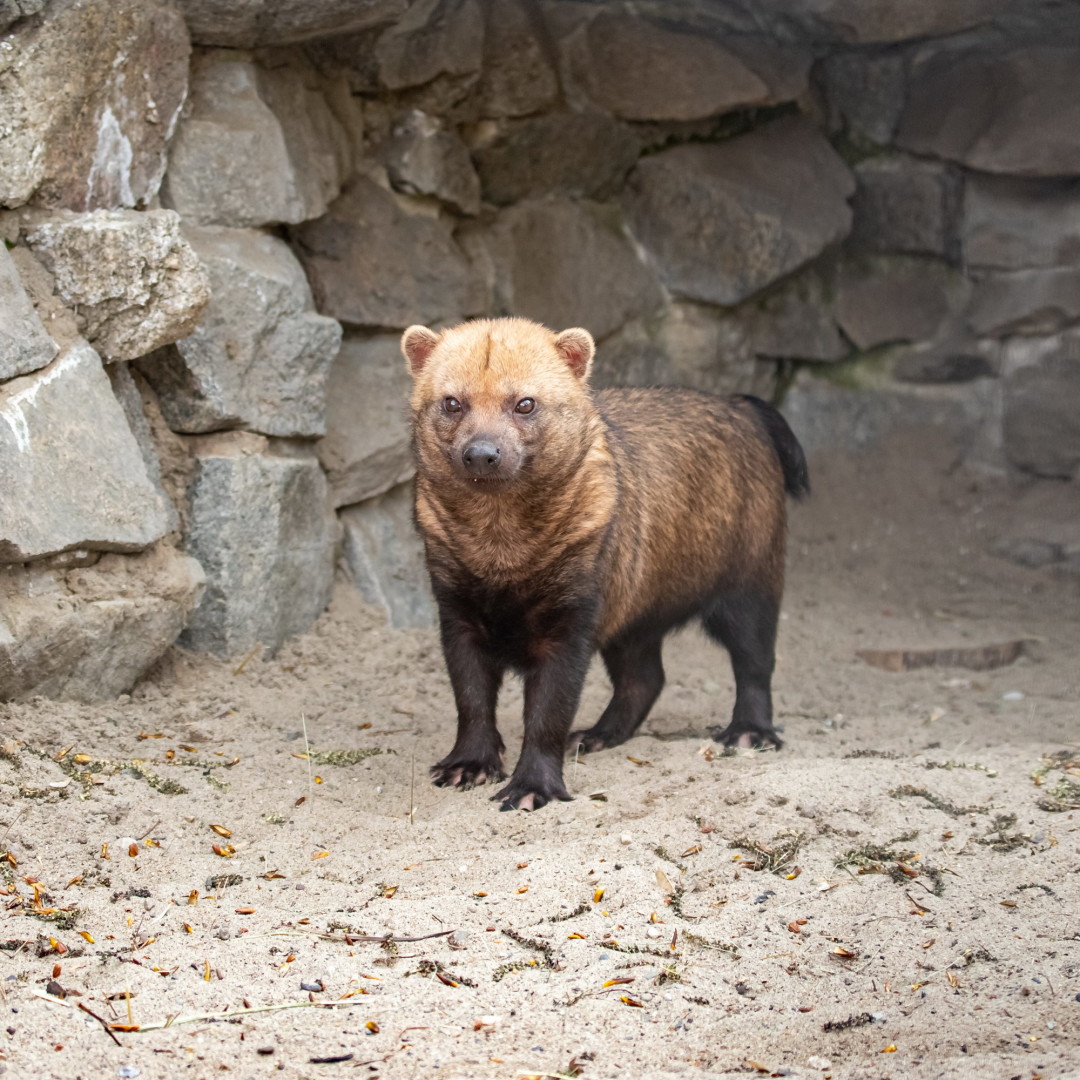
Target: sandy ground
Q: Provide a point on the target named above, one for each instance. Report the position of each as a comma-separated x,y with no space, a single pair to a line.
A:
688,914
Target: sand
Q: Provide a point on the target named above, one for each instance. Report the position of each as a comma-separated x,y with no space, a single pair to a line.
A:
688,914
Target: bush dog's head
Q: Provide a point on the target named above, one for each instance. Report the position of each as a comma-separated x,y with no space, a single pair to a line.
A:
499,402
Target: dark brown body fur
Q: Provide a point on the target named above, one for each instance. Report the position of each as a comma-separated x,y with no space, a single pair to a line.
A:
595,522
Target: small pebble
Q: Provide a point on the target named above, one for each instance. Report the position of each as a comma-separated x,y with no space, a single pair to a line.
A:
127,1072
654,932
626,838
265,1050
815,1062
1012,695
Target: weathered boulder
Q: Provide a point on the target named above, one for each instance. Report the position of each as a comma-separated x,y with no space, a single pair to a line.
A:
569,263
249,23
132,279
24,344
104,144
88,632
886,298
257,146
906,205
385,558
866,22
13,10
1011,224
71,472
422,158
263,531
857,414
433,39
260,357
643,70
372,264
366,447
517,78
727,350
795,320
988,109
1031,302
864,94
1041,423
562,153
128,393
723,221
682,345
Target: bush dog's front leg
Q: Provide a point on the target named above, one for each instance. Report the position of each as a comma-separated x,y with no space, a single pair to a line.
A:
552,691
475,675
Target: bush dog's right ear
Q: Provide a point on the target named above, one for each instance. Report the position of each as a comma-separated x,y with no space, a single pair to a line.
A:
418,343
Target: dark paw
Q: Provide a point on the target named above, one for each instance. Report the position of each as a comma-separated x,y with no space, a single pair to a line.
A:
530,793
586,742
750,738
464,773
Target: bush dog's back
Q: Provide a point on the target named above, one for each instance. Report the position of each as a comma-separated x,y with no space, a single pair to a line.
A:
557,522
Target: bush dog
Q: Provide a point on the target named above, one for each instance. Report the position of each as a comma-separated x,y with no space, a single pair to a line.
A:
557,521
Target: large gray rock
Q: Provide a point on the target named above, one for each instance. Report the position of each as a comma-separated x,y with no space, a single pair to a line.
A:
433,39
1032,302
366,447
723,221
856,414
1042,421
24,344
904,204
562,153
89,96
423,158
992,110
71,472
248,23
569,263
864,94
260,357
517,78
262,528
88,633
132,279
372,264
795,320
1011,224
385,558
729,350
682,345
13,10
257,146
887,298
866,22
642,70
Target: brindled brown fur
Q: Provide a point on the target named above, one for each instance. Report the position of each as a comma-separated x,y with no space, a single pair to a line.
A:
587,521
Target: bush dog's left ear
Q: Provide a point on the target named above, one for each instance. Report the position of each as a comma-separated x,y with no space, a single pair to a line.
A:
576,347
418,343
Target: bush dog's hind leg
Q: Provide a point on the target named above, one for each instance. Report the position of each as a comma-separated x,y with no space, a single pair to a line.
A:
553,685
475,675
636,669
744,622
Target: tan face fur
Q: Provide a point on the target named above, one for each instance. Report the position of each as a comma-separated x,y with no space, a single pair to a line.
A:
500,403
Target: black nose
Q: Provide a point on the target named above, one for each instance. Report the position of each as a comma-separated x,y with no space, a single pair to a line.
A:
481,457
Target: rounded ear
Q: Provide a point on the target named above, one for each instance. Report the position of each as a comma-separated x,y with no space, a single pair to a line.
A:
576,347
418,343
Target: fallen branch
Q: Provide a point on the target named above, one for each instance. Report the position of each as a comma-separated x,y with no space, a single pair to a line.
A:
173,1021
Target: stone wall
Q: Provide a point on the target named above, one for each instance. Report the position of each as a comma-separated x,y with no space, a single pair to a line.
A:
218,216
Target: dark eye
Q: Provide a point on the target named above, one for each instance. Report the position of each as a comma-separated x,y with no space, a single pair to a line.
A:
525,405
452,405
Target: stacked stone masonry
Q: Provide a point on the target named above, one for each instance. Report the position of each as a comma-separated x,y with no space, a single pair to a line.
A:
218,216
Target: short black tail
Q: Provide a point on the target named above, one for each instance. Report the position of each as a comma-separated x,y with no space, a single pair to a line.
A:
788,450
